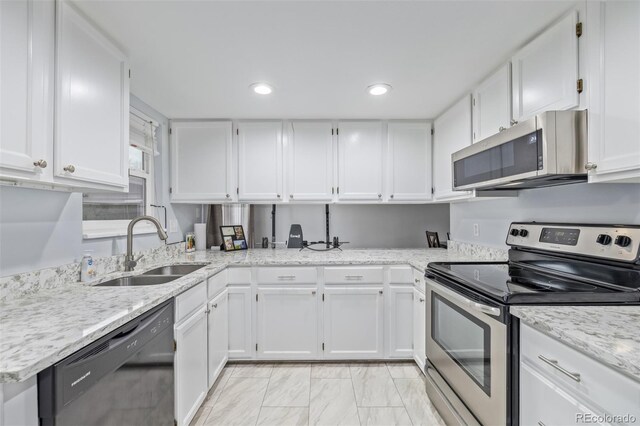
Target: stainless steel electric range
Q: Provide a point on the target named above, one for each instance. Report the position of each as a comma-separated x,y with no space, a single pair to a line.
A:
472,340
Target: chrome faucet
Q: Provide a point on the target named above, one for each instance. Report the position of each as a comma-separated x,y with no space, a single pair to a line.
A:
130,262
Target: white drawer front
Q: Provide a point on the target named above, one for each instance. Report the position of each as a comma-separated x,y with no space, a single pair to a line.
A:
400,275
353,275
190,300
216,284
239,275
606,389
278,275
418,280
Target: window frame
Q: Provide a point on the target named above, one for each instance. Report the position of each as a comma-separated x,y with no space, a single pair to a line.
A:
92,229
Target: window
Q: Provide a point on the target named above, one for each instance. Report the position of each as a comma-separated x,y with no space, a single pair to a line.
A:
106,214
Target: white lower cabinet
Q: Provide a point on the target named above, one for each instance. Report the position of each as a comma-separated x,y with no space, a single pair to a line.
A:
399,317
562,386
190,365
353,322
287,323
419,328
240,329
218,335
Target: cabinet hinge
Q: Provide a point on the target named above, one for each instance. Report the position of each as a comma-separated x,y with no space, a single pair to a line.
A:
323,346
237,131
432,131
238,191
337,189
129,73
170,131
433,190
337,131
175,346
331,132
580,86
474,135
579,29
473,101
256,347
170,190
323,297
333,190
256,297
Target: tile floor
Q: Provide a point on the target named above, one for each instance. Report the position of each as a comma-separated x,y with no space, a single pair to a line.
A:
318,394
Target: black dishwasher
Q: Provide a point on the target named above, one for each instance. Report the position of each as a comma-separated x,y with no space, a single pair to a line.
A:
124,378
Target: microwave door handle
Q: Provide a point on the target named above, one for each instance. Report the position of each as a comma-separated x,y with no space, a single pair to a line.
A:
485,309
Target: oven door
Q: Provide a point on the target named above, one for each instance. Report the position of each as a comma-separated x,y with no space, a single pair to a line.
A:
467,344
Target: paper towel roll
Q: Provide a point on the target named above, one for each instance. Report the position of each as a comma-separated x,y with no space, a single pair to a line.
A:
200,229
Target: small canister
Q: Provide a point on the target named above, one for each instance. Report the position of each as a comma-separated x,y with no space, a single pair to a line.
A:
190,242
265,242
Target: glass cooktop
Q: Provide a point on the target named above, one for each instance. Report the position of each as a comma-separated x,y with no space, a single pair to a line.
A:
513,284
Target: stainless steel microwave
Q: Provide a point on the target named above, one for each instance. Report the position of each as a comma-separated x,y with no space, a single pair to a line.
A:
546,150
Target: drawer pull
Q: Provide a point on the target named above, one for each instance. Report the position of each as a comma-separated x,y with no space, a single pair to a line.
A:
353,277
286,277
554,363
541,424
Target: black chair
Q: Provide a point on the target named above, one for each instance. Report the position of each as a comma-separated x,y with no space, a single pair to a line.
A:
433,241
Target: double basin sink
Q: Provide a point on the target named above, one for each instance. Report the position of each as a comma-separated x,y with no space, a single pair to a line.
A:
161,275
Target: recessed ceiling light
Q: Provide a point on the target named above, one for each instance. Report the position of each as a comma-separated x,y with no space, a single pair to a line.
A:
261,88
378,89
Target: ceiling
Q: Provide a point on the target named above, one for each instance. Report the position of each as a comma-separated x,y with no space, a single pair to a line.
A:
196,59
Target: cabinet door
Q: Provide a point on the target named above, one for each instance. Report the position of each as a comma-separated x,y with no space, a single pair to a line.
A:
191,366
353,322
452,132
544,403
26,89
419,329
545,71
492,104
614,110
240,335
202,161
260,160
360,160
409,161
287,321
310,160
399,317
218,340
91,140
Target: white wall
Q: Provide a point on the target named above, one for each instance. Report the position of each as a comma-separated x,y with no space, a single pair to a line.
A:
40,228
364,226
578,203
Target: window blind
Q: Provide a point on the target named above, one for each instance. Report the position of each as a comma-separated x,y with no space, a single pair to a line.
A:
143,133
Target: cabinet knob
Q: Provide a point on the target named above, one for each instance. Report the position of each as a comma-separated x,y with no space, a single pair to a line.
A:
421,300
379,195
215,305
278,195
590,166
291,196
416,280
313,292
502,129
40,163
514,122
70,168
380,291
227,195
391,196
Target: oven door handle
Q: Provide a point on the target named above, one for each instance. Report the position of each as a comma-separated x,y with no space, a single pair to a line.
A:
485,309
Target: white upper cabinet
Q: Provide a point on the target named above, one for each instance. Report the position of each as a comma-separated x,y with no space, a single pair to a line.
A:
545,71
91,138
26,89
360,160
202,167
492,104
260,160
310,160
409,161
452,132
614,85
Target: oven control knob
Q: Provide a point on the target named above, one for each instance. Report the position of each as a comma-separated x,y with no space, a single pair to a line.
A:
623,240
603,239
524,232
515,232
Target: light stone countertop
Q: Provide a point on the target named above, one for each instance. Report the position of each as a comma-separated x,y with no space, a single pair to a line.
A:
45,326
610,334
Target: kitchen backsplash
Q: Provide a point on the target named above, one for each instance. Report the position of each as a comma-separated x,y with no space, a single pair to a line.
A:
18,285
477,250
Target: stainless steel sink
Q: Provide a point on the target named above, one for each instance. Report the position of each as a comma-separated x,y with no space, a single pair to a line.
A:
137,280
174,270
